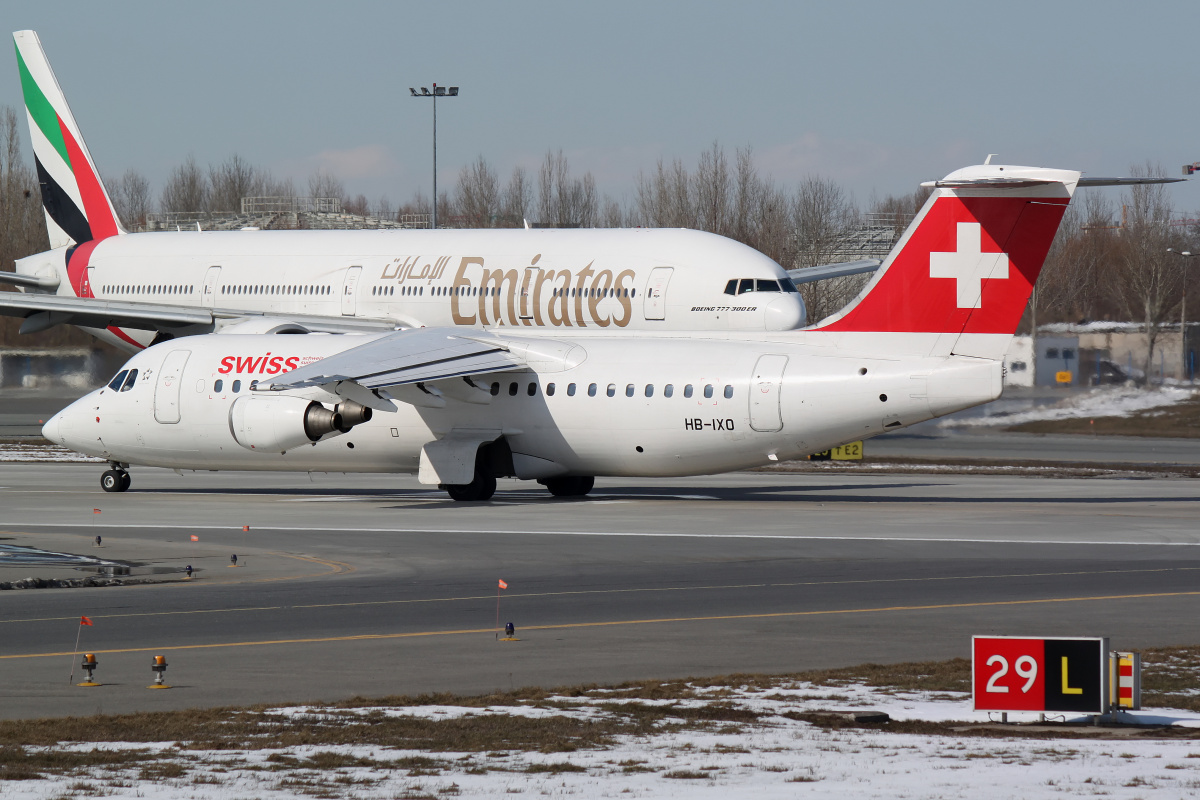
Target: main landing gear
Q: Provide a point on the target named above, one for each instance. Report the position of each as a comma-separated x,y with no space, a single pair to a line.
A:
115,479
571,486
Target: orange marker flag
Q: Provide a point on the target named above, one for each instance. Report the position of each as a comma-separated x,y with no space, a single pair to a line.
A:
503,585
84,621
195,538
95,511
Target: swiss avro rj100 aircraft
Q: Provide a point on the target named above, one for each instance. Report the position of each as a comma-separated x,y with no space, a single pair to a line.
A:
136,289
462,407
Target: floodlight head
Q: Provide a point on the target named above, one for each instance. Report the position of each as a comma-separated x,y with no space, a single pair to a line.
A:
454,91
425,91
440,91
413,92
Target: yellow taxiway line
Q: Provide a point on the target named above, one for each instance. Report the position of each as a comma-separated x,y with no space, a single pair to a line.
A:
617,623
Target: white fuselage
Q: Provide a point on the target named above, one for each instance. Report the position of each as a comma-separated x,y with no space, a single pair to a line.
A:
660,406
551,280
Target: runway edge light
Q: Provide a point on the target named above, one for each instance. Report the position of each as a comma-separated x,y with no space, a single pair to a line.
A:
89,665
159,667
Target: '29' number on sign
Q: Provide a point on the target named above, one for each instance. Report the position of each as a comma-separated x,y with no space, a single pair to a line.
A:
1026,667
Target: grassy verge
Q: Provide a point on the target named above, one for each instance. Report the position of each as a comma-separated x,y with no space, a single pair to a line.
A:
1180,421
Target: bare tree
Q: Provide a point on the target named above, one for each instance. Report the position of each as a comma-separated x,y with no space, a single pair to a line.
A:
563,201
356,205
323,183
822,218
130,195
477,196
1146,281
518,198
231,181
186,188
711,191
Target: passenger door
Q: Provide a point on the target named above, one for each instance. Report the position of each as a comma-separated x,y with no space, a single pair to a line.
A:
350,291
208,293
655,306
166,390
765,385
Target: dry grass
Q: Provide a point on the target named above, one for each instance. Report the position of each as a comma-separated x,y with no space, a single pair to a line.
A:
29,749
1180,421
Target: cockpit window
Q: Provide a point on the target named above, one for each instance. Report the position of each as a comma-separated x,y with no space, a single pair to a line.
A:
116,382
132,379
745,285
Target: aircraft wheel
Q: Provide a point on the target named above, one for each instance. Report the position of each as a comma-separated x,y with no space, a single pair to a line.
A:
572,486
114,480
482,488
126,481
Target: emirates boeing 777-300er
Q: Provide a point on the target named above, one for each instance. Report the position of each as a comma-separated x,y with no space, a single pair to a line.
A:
135,289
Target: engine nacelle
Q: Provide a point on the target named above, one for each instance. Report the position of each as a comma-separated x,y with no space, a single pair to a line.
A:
277,424
351,414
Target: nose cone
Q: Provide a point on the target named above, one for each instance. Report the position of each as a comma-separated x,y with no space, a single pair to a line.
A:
785,313
53,429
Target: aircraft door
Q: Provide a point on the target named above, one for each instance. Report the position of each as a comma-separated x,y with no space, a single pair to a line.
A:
208,293
656,293
86,288
166,391
350,291
765,385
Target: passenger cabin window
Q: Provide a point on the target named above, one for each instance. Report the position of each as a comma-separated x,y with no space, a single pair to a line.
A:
218,385
708,390
531,390
570,390
728,391
612,390
495,389
649,390
629,390
549,390
592,390
237,386
125,387
116,383
687,390
668,390
512,389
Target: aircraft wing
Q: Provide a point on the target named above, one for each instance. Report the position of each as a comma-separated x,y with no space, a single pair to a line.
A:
840,270
409,356
42,311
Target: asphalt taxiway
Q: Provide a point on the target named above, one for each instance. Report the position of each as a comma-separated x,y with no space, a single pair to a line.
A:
374,585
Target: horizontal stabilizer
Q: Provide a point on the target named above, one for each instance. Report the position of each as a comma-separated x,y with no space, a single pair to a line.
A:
1126,181
839,270
404,357
32,281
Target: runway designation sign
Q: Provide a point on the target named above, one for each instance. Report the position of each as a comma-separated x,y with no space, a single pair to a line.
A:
1010,673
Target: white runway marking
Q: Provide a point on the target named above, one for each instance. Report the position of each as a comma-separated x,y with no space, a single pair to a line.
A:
634,534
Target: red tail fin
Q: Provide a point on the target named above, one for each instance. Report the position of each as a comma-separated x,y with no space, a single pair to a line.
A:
968,262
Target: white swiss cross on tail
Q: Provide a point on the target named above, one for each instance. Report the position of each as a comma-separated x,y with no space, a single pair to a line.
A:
969,265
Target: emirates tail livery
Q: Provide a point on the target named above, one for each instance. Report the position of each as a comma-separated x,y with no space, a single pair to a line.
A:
136,289
462,407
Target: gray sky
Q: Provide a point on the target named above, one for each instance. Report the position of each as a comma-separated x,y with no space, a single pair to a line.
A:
876,95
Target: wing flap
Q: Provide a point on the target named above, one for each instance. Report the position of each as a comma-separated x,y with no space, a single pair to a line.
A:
406,357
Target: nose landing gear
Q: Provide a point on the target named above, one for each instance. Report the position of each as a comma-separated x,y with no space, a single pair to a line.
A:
115,479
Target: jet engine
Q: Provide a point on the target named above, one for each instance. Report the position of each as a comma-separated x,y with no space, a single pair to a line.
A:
278,424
